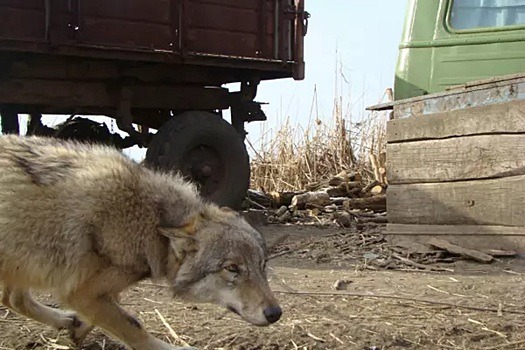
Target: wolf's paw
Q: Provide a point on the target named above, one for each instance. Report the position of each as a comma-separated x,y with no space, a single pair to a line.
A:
78,330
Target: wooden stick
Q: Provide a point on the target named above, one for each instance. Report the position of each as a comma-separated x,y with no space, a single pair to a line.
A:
255,204
170,330
504,345
380,219
395,297
371,185
377,203
420,266
285,252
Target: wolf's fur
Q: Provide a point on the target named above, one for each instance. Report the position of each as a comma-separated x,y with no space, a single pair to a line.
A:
86,222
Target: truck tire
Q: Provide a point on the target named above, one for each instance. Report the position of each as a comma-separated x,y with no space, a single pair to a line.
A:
208,151
9,122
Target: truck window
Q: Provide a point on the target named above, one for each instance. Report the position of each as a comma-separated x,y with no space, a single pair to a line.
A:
473,14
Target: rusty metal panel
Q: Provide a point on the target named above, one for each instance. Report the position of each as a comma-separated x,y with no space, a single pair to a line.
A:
137,24
245,35
22,20
62,21
471,96
261,29
300,30
230,27
72,94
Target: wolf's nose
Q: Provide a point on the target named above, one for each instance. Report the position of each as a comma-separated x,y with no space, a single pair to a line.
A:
273,313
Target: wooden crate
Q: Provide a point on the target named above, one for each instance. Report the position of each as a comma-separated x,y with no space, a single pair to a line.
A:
456,167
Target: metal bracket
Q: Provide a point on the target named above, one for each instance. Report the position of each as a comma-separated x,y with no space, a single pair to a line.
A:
249,88
125,118
74,25
300,15
244,108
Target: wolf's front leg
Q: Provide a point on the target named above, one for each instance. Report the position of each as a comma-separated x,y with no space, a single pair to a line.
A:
95,301
21,302
105,313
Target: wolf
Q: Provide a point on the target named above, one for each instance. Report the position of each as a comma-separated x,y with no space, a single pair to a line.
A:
86,222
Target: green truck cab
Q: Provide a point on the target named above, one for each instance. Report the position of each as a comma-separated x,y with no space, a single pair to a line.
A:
452,42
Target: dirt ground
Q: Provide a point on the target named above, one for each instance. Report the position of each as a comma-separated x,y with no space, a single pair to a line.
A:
472,306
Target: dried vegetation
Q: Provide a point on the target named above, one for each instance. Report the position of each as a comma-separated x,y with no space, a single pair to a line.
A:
295,158
341,288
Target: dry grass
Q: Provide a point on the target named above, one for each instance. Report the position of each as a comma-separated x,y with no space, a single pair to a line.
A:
323,322
474,307
295,157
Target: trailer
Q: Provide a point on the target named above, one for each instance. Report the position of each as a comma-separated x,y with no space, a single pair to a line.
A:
152,65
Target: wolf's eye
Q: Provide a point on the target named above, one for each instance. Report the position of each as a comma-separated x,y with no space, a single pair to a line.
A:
232,268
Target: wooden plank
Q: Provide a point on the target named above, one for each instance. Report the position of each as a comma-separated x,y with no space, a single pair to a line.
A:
507,89
463,230
413,247
499,253
456,249
377,203
479,237
483,95
481,202
498,118
464,158
482,243
487,81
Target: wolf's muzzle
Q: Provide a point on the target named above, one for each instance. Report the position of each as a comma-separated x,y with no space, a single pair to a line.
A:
273,313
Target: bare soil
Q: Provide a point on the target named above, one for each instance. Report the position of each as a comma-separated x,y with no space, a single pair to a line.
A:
475,306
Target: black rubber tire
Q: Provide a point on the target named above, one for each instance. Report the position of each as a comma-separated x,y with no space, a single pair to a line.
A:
9,122
196,139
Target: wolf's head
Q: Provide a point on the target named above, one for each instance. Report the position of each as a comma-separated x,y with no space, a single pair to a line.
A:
220,258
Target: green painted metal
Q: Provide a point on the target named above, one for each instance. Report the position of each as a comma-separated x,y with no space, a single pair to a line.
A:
434,56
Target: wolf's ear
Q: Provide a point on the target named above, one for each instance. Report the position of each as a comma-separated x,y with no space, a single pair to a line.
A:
176,233
186,230
181,241
182,238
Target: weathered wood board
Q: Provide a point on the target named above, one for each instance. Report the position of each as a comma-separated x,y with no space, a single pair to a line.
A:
455,100
456,166
502,118
453,248
479,237
498,201
459,158
465,230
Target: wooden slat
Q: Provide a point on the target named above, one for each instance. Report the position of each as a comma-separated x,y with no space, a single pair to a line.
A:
478,237
484,95
463,230
464,158
488,81
456,249
499,118
481,202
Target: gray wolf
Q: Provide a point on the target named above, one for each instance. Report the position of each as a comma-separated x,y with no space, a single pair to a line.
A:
86,222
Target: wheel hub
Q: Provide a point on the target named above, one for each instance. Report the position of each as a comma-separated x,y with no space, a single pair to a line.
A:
204,166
